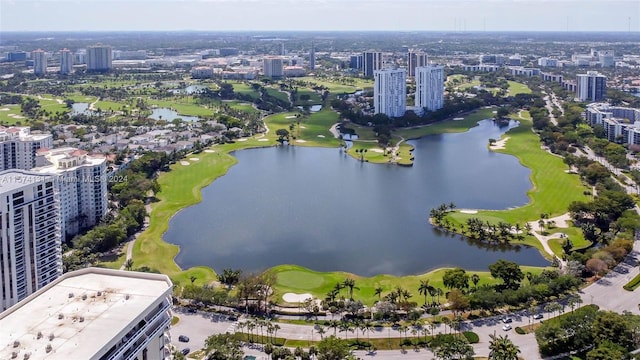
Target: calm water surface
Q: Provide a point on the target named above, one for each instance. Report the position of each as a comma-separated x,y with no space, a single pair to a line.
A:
321,209
168,115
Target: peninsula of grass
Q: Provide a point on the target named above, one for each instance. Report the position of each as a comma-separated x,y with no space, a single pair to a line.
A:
552,191
312,130
516,88
298,279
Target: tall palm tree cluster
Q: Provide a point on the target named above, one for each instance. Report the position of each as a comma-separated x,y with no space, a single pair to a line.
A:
426,289
502,232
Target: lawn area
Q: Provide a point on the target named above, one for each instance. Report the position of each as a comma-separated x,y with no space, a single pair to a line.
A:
245,89
314,97
297,279
277,94
337,87
5,119
553,189
242,106
516,88
313,130
106,105
446,126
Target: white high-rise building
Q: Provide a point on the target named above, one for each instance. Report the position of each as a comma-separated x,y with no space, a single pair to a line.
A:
39,62
82,183
92,314
390,92
18,147
66,61
273,67
429,87
30,249
591,86
99,58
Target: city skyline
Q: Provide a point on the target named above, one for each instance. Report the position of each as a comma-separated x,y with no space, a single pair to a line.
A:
327,15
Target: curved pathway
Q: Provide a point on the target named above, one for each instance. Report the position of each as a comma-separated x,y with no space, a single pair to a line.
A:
131,243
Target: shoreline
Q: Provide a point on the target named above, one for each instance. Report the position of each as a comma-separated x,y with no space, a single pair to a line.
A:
159,219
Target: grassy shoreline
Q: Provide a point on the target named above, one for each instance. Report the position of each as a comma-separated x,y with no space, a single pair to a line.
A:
182,188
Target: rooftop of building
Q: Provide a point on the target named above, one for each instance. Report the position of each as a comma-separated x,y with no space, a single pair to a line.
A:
55,156
79,313
24,133
11,180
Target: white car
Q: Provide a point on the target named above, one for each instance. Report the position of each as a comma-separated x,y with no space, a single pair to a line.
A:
506,327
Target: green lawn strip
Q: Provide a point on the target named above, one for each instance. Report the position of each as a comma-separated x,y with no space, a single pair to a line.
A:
79,98
105,105
118,261
245,89
298,279
336,86
183,106
633,284
277,94
447,126
242,106
558,318
516,88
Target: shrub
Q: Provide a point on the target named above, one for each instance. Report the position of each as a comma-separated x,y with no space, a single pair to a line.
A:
520,331
472,337
633,284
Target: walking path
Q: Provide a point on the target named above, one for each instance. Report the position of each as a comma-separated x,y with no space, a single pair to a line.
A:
560,222
131,243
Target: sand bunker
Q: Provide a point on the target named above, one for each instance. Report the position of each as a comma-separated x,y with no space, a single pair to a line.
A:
458,119
500,144
300,141
296,298
5,109
263,140
377,151
320,136
185,163
209,151
469,211
194,159
290,117
242,139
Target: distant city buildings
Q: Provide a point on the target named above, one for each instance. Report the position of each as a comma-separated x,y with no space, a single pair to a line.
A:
355,61
39,62
66,62
371,62
591,86
416,59
81,181
202,72
93,313
547,62
99,58
18,147
390,92
429,87
30,248
273,67
14,56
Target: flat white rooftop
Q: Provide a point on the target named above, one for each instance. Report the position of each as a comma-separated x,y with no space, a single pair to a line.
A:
79,313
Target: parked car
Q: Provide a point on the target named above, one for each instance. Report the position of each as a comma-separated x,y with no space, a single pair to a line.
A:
507,320
506,327
185,351
537,316
192,310
183,338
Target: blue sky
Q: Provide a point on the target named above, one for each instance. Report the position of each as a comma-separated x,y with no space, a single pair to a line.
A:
400,15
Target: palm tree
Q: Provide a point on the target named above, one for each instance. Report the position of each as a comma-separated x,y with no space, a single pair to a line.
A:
541,225
351,284
367,327
440,293
334,324
345,327
475,278
128,265
378,291
501,348
321,331
276,327
527,228
423,289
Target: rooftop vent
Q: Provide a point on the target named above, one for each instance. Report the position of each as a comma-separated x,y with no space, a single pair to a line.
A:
14,355
39,336
60,316
48,348
84,296
99,293
51,337
27,356
126,297
70,295
81,319
16,343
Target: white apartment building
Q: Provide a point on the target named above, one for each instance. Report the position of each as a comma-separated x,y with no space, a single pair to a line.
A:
619,123
30,249
18,147
272,67
429,87
66,62
591,86
39,62
91,314
547,62
202,72
99,58
81,180
390,92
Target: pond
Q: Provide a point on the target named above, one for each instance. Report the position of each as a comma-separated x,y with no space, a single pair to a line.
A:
324,210
169,115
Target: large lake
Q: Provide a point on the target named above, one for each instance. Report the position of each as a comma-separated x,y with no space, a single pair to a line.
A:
324,210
